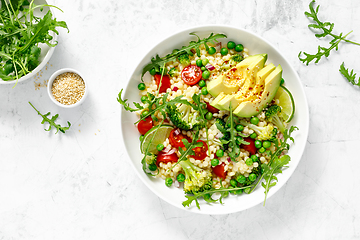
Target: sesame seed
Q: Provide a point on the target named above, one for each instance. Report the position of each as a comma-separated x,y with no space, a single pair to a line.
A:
68,88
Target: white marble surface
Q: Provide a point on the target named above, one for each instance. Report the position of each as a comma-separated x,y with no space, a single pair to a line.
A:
79,185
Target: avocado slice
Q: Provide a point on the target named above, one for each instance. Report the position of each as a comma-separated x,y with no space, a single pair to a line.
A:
253,107
251,78
215,102
230,81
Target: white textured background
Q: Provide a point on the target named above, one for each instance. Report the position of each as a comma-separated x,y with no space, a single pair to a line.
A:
79,185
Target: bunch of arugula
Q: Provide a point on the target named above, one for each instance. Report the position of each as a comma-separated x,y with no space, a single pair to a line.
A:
158,62
21,32
51,121
325,29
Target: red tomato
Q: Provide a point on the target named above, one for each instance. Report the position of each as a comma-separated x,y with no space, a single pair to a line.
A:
165,157
191,74
251,147
219,171
176,137
165,82
200,152
145,125
211,108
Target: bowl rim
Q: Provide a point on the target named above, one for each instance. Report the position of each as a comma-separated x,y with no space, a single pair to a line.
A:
304,131
51,80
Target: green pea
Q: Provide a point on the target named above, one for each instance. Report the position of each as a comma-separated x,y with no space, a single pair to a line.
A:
141,86
168,181
266,144
202,83
214,162
239,191
247,190
262,150
203,68
153,71
160,147
239,128
268,152
141,138
239,48
282,81
258,144
180,177
224,51
205,61
231,45
211,51
220,153
233,183
249,162
254,120
144,99
252,177
209,116
253,135
241,179
254,158
199,63
144,113
152,167
206,74
204,91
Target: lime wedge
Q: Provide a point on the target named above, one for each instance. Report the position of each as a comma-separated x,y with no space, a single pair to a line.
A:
286,102
161,133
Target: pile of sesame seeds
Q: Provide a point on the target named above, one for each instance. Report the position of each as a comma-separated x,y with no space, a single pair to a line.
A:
68,88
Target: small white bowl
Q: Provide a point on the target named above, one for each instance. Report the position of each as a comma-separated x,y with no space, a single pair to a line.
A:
51,81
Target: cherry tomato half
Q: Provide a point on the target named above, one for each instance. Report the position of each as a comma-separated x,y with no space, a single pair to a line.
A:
165,157
145,125
200,152
191,74
165,82
219,171
176,138
251,147
211,108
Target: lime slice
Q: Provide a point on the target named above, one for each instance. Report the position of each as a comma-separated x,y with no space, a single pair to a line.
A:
286,102
161,133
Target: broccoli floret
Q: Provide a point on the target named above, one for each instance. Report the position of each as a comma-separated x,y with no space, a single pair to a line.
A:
196,179
182,116
272,115
236,58
263,133
173,72
150,158
184,59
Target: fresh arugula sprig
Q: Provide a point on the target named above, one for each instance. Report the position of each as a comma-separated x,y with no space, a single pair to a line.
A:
235,147
158,62
207,195
350,76
127,105
21,33
323,29
51,121
276,162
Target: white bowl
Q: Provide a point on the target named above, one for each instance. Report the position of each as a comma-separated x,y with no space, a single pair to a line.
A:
53,77
256,45
46,51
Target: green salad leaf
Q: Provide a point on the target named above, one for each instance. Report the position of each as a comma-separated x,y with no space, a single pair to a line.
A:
350,76
158,62
51,121
21,33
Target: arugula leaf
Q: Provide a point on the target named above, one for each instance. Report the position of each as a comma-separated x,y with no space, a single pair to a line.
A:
51,121
207,195
350,76
158,62
322,29
270,170
235,148
127,105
